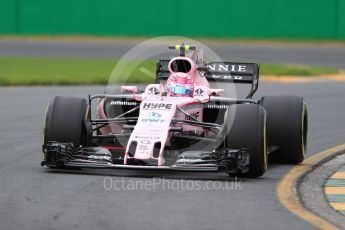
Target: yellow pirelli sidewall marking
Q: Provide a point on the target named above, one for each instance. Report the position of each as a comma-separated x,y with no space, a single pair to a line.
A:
87,112
338,175
265,140
286,190
335,190
303,141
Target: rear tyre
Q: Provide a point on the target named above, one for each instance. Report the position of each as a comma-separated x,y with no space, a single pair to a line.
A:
67,121
287,127
245,127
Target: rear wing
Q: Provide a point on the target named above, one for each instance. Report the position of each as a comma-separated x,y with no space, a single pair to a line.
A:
232,72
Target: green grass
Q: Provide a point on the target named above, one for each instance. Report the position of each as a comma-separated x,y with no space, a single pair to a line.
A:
74,71
296,70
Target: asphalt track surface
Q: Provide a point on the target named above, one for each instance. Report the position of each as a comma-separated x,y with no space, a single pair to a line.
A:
34,197
316,55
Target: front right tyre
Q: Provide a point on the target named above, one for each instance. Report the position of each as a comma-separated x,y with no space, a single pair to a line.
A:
245,127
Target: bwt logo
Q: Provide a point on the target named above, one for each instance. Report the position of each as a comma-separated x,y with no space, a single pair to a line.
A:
148,105
154,115
153,118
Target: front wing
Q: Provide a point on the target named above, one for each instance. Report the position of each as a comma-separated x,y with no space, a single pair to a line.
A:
64,155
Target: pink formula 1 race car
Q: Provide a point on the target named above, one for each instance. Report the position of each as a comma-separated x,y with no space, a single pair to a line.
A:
179,123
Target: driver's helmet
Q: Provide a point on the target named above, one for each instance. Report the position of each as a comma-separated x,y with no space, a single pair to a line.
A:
180,84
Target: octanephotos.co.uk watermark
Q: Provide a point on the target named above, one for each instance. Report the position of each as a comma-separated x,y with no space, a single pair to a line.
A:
162,184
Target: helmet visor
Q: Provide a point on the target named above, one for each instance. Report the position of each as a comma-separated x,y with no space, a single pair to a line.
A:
179,89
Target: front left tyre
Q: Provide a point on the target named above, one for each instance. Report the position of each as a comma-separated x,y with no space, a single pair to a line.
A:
67,121
287,127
